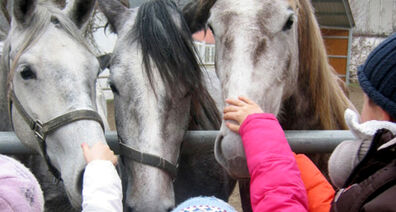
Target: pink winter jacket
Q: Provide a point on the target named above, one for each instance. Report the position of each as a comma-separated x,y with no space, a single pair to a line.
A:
276,183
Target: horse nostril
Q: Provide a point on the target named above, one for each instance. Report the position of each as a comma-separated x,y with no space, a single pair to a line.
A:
130,209
218,140
220,137
169,209
80,181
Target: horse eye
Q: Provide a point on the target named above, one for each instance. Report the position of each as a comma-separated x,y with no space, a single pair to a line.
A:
55,20
289,23
27,73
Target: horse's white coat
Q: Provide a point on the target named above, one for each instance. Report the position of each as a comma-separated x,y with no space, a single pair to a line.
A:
66,73
135,95
255,58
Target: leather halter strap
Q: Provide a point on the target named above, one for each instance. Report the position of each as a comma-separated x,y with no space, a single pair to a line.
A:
41,130
149,159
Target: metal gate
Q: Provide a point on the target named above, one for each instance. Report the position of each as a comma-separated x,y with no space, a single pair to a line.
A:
312,141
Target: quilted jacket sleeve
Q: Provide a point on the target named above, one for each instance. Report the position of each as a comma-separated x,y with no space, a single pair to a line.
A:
276,183
320,192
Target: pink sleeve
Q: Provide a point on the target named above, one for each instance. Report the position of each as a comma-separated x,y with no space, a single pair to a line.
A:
276,183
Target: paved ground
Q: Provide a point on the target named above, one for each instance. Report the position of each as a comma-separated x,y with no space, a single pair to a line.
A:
355,95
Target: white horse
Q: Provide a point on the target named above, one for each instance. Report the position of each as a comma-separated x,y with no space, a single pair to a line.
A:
52,74
273,53
159,93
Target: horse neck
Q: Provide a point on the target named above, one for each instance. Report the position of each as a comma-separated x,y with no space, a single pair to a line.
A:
318,101
5,124
204,115
315,106
297,113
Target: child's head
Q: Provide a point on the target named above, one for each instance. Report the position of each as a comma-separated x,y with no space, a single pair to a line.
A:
19,189
377,77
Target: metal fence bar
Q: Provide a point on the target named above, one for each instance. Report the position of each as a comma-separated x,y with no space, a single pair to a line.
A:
316,141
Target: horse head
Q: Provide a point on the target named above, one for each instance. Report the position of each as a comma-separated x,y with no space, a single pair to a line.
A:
256,57
272,53
52,75
155,78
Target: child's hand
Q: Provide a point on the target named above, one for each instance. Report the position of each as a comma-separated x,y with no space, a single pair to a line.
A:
238,110
98,151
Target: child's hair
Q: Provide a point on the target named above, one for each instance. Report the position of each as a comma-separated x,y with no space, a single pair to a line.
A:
377,76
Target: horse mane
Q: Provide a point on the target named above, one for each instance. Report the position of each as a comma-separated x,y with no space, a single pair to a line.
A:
196,13
166,42
327,97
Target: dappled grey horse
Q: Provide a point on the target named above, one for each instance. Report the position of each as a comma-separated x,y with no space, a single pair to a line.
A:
273,53
52,73
159,93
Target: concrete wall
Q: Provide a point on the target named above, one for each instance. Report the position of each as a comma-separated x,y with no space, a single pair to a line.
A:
374,17
375,20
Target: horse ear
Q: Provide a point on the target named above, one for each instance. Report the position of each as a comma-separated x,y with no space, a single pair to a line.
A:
195,12
24,10
115,13
79,11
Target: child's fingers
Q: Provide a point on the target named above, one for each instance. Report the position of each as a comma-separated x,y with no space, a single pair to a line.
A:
246,100
233,127
230,109
234,102
85,149
231,116
114,160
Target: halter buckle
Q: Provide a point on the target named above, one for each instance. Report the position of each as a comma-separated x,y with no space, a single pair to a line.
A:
38,130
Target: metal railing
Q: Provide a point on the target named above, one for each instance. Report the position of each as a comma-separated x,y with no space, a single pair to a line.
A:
316,141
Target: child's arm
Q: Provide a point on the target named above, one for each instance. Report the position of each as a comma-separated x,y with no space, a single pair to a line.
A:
275,184
102,189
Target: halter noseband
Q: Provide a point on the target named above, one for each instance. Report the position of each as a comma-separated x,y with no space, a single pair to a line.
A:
42,130
148,159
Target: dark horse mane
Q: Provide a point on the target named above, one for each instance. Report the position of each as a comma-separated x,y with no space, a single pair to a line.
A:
166,42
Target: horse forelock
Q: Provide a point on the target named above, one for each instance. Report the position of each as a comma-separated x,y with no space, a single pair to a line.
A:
327,98
171,49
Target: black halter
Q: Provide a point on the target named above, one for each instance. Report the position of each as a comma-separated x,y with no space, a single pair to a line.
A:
148,159
41,130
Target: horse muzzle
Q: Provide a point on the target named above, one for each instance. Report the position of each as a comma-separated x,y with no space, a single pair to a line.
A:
230,154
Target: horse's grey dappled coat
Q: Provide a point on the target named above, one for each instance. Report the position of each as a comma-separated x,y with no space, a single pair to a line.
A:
158,92
52,71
